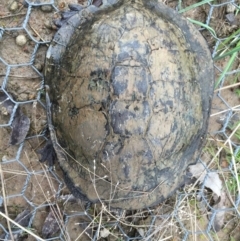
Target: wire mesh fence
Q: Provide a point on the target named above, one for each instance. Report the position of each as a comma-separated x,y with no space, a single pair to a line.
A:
32,201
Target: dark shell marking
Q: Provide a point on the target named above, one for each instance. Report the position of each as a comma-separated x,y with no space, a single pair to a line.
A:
131,84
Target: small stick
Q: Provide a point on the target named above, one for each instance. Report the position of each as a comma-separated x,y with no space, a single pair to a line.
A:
227,87
5,205
221,112
13,15
36,32
19,76
21,227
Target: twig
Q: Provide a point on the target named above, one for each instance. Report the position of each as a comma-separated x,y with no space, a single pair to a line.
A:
21,227
234,166
36,32
221,112
227,87
13,15
57,213
5,205
19,76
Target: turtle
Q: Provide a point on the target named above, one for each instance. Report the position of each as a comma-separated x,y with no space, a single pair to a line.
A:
130,85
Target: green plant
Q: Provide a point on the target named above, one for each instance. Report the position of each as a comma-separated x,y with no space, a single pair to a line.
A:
232,182
237,92
228,48
192,6
232,238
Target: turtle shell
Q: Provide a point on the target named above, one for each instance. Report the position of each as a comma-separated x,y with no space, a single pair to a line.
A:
131,84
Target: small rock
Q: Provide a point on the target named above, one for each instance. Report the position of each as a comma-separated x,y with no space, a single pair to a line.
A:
97,3
230,8
231,18
23,97
21,40
62,5
5,158
43,122
224,163
48,24
13,6
46,8
3,110
39,66
104,233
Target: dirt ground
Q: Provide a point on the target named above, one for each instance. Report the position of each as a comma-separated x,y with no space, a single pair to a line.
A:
26,183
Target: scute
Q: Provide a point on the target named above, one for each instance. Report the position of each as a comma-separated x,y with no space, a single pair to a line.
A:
129,118
131,88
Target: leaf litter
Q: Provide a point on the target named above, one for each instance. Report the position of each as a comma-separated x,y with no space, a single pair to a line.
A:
20,124
212,181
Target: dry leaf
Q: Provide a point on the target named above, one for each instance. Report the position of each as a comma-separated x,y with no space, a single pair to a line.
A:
51,225
213,182
198,171
218,221
20,127
20,124
141,232
210,180
23,218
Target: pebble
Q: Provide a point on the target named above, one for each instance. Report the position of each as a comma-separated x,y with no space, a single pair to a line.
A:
4,110
21,40
230,8
231,18
13,6
5,158
62,5
48,24
46,8
38,66
43,122
23,97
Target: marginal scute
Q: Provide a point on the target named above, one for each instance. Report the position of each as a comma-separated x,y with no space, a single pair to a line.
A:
131,95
